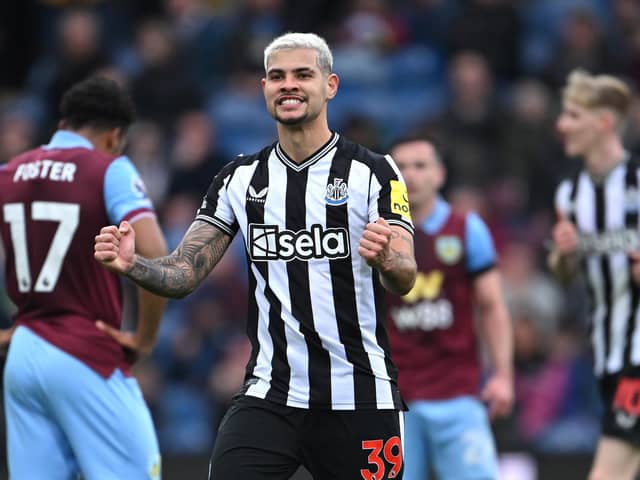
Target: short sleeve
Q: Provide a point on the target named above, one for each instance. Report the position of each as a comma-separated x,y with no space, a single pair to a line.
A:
125,195
562,200
388,197
481,252
216,207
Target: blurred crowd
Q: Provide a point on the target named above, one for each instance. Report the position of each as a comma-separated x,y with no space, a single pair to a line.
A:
481,76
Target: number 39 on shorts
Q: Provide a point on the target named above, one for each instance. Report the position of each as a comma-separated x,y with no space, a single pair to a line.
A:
379,451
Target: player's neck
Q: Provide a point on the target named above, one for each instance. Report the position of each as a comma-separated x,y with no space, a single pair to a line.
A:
421,212
102,140
299,143
605,157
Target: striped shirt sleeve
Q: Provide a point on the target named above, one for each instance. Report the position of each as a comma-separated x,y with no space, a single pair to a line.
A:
388,195
216,207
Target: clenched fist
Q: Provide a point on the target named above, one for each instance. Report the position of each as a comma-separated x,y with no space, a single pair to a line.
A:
115,247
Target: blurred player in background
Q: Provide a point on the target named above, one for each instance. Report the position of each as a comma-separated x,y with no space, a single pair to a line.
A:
326,226
597,233
433,335
72,406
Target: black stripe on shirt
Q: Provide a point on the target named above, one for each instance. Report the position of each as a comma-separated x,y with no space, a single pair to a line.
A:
605,269
319,374
631,223
280,371
344,295
255,213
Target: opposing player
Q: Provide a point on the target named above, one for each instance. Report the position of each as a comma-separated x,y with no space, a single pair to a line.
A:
432,332
597,234
326,226
72,406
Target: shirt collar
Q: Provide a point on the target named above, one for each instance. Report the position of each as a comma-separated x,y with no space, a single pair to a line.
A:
68,139
438,215
319,154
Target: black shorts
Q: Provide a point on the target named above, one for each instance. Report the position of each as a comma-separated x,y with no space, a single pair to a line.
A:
621,398
260,440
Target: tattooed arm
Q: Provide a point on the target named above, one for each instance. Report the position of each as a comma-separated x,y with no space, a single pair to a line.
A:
389,249
175,275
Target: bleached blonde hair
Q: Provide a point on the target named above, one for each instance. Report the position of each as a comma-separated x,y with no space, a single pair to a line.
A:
598,91
292,40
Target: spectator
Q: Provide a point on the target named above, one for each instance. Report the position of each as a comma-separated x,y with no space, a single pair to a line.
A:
194,157
529,145
204,37
162,89
471,126
78,52
492,29
583,44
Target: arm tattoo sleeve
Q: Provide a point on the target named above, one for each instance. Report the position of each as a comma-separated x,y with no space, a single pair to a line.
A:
399,267
179,273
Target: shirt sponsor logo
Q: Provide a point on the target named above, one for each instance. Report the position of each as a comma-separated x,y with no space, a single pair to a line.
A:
424,316
423,309
400,199
427,286
449,249
622,240
259,197
268,242
337,192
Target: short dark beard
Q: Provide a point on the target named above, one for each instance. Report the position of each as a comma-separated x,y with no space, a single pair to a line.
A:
292,121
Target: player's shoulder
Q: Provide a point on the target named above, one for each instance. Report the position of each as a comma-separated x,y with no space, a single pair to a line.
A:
380,165
89,156
243,159
117,167
360,152
8,170
474,223
464,220
94,165
26,156
568,179
634,160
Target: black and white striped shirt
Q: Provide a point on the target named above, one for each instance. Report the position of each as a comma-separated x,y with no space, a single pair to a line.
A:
316,315
606,216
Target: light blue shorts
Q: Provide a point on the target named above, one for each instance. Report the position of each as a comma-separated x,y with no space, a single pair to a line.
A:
451,437
63,419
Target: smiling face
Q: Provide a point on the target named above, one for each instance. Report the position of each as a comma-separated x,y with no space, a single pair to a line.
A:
581,128
296,91
421,169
